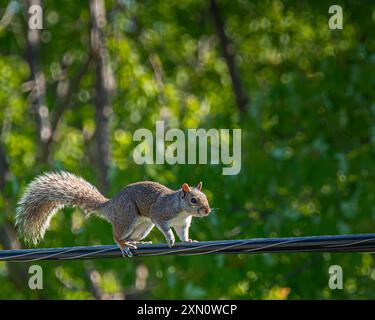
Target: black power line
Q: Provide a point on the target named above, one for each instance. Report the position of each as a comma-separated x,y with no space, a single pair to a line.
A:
336,243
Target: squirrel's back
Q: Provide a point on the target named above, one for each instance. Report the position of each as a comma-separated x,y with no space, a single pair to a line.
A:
48,193
144,194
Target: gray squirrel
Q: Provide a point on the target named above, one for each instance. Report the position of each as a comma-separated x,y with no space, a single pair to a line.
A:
133,212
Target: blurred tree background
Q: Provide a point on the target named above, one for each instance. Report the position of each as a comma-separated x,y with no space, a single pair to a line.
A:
73,94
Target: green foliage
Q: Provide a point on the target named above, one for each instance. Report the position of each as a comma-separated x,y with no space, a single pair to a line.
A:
307,140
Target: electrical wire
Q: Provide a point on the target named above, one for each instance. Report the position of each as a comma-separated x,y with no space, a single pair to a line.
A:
335,243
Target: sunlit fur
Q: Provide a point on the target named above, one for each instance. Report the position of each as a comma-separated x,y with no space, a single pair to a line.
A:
48,193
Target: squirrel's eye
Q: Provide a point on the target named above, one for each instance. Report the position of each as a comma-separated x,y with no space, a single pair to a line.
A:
193,200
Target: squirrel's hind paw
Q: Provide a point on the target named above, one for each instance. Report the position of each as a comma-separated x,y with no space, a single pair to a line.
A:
126,253
125,248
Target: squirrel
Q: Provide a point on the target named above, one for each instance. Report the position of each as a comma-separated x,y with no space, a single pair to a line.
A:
133,212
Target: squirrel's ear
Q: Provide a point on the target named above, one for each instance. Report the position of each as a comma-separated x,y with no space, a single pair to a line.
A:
185,188
199,186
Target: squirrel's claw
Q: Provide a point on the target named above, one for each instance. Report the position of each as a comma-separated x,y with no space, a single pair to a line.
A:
171,242
125,248
190,240
131,245
126,253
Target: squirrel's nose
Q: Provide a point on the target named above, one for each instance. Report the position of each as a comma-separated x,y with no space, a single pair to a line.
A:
208,210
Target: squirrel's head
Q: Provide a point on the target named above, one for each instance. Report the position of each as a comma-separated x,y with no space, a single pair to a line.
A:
194,200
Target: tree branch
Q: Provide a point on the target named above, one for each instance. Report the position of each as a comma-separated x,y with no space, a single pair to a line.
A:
104,87
37,95
63,104
229,55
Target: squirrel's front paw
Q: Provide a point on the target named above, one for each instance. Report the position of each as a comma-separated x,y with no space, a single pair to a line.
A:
190,240
171,242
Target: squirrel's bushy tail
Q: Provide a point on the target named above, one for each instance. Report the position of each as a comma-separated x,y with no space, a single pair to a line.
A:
48,193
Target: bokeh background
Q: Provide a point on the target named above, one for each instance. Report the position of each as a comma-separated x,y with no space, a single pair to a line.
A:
73,94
